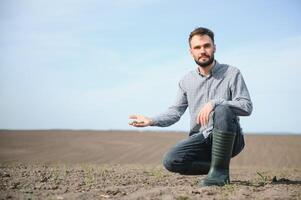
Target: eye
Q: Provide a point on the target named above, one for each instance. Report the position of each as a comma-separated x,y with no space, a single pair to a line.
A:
207,45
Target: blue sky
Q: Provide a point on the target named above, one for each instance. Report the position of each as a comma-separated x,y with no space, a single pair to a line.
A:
89,64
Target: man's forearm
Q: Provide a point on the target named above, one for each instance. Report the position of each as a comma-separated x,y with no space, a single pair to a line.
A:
242,107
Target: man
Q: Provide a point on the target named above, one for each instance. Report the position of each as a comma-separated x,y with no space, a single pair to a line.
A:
216,95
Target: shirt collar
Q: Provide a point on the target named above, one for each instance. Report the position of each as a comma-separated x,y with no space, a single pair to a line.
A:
213,70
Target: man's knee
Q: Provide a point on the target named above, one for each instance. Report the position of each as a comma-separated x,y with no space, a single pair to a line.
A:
172,163
224,118
167,162
222,112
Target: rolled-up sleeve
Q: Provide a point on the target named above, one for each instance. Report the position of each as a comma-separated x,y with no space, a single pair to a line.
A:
241,103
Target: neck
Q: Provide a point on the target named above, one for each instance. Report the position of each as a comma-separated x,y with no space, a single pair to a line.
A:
206,70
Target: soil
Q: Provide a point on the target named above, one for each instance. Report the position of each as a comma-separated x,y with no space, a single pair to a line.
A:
126,165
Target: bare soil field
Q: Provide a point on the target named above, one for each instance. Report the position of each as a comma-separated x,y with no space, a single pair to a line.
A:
127,165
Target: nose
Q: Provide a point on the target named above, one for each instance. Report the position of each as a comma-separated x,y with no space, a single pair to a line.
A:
202,50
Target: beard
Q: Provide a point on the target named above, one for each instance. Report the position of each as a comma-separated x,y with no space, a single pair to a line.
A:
205,63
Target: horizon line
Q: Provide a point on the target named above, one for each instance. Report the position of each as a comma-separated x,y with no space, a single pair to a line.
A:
127,130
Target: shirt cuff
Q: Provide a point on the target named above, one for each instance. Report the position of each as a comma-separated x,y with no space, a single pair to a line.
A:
216,102
154,122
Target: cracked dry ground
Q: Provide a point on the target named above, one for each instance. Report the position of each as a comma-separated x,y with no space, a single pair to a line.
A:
91,181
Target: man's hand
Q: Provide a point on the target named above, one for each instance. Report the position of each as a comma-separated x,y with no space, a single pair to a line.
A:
203,116
140,121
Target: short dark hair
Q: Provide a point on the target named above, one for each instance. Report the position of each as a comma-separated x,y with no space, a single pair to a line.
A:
201,31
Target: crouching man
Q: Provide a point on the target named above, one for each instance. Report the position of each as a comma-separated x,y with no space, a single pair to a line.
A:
216,94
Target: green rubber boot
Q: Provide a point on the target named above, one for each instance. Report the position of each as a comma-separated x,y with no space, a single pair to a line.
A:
222,146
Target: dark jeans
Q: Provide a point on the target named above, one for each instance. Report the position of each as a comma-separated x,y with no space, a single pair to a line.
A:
192,156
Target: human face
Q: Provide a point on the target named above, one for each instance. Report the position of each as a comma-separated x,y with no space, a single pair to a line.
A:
202,50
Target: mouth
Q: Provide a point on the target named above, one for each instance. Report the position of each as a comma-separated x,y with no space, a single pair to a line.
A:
203,57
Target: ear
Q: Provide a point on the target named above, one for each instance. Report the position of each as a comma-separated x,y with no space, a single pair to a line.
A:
214,50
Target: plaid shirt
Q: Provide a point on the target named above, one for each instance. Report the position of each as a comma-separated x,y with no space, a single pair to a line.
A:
224,86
